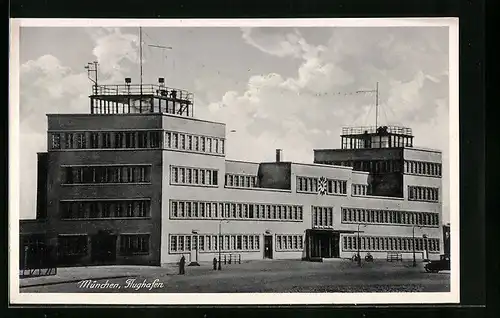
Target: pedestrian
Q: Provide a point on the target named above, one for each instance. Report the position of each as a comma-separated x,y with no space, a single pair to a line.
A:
182,263
215,263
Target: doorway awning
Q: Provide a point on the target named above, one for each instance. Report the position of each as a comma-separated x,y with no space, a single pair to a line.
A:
329,231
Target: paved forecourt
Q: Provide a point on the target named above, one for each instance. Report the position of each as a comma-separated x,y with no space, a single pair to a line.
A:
257,276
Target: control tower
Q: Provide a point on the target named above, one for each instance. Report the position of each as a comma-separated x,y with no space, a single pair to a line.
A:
131,98
377,150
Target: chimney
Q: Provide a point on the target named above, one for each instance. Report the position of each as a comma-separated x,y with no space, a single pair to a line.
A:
279,154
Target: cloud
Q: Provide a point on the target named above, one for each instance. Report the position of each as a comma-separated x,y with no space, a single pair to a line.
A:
47,86
115,51
274,43
307,110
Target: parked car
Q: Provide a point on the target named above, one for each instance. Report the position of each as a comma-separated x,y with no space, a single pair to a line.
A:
435,266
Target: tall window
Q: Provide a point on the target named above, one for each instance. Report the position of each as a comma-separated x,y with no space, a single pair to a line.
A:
56,141
118,140
69,140
73,245
94,140
154,139
106,140
134,244
142,139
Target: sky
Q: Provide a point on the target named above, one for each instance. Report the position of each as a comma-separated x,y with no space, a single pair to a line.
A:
277,87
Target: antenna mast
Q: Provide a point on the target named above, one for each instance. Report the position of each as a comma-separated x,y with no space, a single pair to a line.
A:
376,106
376,102
140,53
163,48
92,67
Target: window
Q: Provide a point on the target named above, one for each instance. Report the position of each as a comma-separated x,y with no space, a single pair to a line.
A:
155,139
94,140
168,139
104,209
106,174
175,140
417,193
130,140
69,140
202,144
142,139
289,242
56,141
196,143
209,144
182,139
73,245
134,244
106,140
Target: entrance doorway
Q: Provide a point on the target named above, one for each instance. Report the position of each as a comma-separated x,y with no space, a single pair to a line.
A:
268,246
103,248
323,244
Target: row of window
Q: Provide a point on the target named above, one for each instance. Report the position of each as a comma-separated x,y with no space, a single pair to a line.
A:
360,189
241,181
289,242
129,244
193,176
196,143
351,215
322,216
107,174
312,185
231,210
422,168
105,209
374,166
416,193
380,244
105,140
212,243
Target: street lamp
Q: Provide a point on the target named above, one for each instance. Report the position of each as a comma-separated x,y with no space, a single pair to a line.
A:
426,248
195,263
219,242
359,246
413,239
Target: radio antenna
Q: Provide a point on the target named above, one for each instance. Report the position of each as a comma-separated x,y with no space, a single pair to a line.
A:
376,101
92,69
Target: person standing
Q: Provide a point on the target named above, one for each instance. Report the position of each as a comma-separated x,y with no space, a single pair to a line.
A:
182,264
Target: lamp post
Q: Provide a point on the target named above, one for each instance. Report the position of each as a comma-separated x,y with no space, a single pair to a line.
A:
359,246
219,242
426,245
413,239
195,263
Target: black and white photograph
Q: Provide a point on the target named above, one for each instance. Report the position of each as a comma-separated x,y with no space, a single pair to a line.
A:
234,162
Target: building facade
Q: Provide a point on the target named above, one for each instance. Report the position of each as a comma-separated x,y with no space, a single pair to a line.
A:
140,180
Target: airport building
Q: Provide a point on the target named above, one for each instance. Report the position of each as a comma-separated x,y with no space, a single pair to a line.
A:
141,180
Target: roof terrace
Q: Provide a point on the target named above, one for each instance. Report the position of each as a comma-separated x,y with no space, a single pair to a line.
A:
146,98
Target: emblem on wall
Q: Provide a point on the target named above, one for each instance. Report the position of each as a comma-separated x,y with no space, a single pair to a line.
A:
322,186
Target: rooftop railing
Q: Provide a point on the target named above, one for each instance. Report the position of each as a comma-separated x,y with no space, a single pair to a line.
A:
145,89
373,130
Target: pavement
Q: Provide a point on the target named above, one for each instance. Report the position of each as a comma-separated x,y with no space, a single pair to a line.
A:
75,274
251,276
